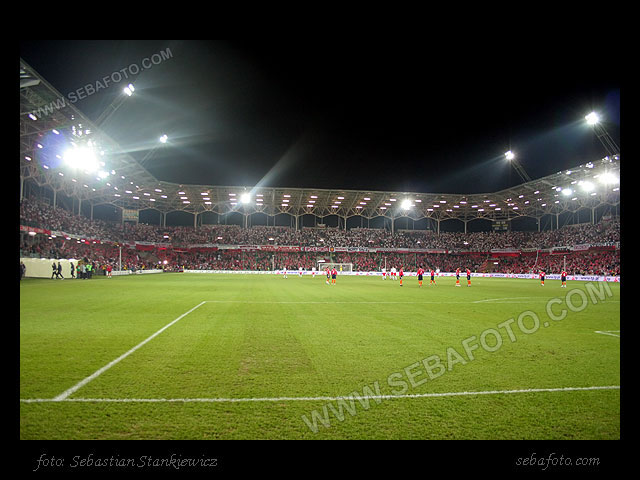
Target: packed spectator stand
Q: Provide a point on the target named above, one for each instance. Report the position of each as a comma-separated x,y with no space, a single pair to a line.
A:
177,247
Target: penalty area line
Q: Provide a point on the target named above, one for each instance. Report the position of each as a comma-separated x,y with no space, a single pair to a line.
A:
608,332
314,399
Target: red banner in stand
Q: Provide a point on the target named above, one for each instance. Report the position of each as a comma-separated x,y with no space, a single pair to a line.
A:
35,229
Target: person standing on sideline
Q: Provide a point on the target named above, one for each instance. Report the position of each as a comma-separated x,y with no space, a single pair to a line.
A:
108,270
60,270
73,270
54,270
23,270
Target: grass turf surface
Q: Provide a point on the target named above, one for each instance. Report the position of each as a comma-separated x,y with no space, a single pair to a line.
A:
265,337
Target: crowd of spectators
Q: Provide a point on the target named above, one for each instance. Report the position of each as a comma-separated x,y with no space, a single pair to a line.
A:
584,263
38,214
176,240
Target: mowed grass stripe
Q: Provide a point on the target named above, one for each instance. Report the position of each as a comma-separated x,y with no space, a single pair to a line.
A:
217,352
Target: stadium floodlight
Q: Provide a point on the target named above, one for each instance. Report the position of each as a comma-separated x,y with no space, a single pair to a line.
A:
511,157
164,138
592,118
586,186
406,204
567,191
608,178
129,89
245,198
82,158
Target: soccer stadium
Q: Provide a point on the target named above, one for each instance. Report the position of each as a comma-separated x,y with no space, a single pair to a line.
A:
285,312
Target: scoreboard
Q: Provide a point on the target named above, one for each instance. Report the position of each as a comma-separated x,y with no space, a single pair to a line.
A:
130,215
500,226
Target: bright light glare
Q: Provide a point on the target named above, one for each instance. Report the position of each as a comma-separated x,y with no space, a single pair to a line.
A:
567,191
587,186
245,198
608,178
592,118
128,91
163,139
81,158
509,155
406,204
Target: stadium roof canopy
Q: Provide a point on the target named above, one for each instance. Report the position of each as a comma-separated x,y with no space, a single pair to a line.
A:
49,122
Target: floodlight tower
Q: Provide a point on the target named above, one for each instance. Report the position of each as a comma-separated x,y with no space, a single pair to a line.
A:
162,140
609,144
110,110
511,157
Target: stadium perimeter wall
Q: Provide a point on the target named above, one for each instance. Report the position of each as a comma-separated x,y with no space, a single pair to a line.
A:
588,278
41,268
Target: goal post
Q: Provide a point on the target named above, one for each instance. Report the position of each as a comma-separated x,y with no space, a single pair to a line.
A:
340,267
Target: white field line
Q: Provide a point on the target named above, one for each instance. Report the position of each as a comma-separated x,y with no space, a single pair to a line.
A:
363,302
510,299
492,300
313,399
608,332
82,383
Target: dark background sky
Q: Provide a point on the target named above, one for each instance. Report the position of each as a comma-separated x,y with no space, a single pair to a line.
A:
362,114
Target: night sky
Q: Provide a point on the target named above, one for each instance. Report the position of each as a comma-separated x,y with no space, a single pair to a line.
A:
373,115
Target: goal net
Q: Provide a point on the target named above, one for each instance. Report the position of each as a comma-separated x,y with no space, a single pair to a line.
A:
340,267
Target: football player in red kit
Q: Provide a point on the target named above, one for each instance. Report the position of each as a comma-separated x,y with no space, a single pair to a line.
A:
468,277
420,273
458,277
563,277
433,277
542,278
400,274
334,273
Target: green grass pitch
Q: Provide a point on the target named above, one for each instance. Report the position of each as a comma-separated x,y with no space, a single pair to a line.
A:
263,357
